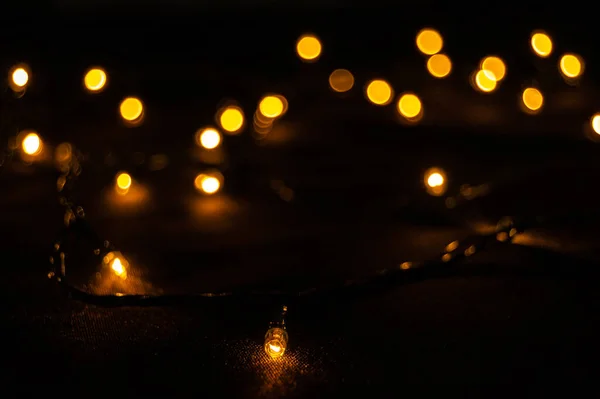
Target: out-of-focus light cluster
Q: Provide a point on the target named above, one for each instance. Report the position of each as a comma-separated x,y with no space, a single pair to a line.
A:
209,182
270,108
490,73
117,264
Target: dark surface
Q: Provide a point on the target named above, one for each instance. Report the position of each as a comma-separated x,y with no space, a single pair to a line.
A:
521,318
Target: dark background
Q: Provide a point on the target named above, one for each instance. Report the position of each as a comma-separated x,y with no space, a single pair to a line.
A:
516,317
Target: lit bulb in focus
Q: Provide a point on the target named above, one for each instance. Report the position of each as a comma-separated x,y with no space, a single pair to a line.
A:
94,79
495,65
32,144
532,100
571,66
208,138
429,41
231,119
18,78
595,122
309,48
410,107
379,92
541,44
341,80
485,81
117,264
132,110
123,183
208,183
276,338
435,181
439,65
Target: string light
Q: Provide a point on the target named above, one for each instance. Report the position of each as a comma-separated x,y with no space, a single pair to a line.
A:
208,183
410,107
541,44
231,119
439,65
379,92
595,122
435,181
132,110
18,78
271,106
208,138
276,338
117,264
532,100
429,41
341,80
95,79
571,66
32,144
485,81
309,48
123,183
495,65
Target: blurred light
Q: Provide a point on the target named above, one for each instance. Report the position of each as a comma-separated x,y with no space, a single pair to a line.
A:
495,65
485,81
429,41
341,80
32,144
19,77
452,246
232,119
208,182
435,181
208,138
117,263
571,65
541,44
63,153
439,65
132,110
276,342
95,79
379,92
123,183
596,123
410,106
271,106
533,100
308,48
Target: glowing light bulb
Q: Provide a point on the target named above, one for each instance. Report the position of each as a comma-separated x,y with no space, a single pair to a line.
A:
208,183
439,65
95,79
32,144
276,338
231,119
309,48
541,44
435,181
132,110
429,41
379,92
123,183
208,138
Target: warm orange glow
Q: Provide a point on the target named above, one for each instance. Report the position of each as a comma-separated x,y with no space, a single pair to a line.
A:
541,44
95,79
32,144
208,138
341,80
117,264
596,123
275,342
495,65
131,109
117,267
308,48
429,41
571,65
410,106
485,81
533,100
232,119
439,65
271,106
208,183
123,183
20,77
379,92
435,181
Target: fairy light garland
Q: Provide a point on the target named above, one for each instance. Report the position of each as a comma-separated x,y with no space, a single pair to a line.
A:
232,120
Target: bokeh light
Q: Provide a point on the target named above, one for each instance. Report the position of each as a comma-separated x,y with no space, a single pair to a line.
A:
123,183
18,78
595,122
495,65
208,138
429,41
231,119
485,81
208,182
132,110
541,44
532,99
95,79
439,65
309,48
410,106
571,66
271,106
341,80
436,182
32,144
379,92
